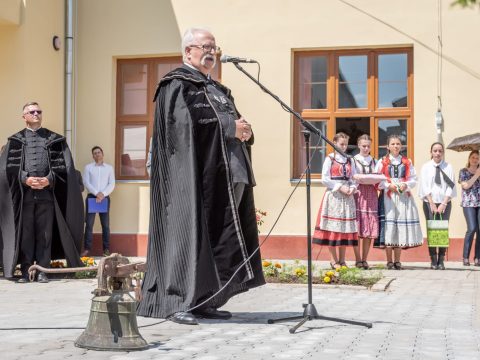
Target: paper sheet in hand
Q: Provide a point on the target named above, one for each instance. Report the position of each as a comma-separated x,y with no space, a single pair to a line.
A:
94,207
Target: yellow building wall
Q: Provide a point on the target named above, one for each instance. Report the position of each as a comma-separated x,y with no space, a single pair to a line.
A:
106,31
268,31
10,12
30,69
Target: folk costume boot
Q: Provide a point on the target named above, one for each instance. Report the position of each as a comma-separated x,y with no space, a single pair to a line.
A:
441,265
434,264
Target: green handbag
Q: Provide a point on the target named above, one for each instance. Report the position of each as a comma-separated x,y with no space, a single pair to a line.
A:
437,232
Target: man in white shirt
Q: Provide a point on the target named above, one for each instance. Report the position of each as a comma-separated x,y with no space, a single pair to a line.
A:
99,180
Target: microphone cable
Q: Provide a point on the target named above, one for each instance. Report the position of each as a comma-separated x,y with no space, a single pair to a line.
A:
264,240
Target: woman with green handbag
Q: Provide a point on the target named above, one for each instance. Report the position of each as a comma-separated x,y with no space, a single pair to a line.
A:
437,188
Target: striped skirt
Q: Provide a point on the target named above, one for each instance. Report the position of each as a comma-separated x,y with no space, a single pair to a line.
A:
366,202
399,221
336,222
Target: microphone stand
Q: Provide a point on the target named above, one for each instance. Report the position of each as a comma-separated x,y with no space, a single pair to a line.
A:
310,312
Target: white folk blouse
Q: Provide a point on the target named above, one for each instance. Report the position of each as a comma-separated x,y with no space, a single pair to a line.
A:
428,185
333,184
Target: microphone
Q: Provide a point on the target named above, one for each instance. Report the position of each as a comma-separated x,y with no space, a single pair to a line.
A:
234,59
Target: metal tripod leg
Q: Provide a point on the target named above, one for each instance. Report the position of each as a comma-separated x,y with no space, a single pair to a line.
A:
310,313
345,321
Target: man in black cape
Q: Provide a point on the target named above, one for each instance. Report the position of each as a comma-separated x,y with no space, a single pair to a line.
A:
202,219
37,181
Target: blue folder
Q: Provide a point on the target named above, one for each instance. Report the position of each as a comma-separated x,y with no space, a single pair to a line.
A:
94,207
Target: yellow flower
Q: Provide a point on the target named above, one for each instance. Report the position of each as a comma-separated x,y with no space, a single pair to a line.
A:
299,272
327,279
278,265
266,263
330,273
91,262
344,267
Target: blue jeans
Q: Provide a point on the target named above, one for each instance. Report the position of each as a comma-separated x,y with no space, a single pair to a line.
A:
472,215
90,221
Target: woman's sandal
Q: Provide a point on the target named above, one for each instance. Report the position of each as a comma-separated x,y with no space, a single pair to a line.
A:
359,264
343,264
398,265
365,265
390,265
335,266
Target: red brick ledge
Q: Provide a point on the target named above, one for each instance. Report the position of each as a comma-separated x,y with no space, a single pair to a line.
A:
295,247
277,247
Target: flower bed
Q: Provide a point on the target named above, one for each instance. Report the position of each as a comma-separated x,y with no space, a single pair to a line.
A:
87,262
296,273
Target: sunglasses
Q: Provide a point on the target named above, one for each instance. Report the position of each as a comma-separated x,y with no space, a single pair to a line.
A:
32,112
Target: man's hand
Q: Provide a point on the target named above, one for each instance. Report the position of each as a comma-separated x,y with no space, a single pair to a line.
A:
100,197
37,183
243,130
43,181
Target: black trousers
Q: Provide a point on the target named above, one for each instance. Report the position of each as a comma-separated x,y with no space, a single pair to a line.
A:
36,240
90,221
429,216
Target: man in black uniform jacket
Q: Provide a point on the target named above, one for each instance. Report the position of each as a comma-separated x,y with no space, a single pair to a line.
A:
37,180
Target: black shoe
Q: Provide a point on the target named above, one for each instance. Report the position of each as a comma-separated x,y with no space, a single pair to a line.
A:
434,262
106,252
441,265
212,313
184,318
42,278
23,280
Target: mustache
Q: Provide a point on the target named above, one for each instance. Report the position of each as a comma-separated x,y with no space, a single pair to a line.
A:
208,57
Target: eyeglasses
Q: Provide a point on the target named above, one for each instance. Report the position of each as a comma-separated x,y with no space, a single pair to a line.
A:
207,48
32,112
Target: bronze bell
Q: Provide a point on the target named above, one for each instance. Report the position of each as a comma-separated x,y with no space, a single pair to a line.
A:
113,323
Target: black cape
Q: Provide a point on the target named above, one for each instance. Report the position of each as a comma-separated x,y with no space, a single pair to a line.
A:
197,239
69,213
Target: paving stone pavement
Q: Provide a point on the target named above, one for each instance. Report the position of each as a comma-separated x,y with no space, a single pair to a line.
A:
422,315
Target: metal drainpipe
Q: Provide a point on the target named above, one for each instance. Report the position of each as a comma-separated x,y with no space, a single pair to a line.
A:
69,84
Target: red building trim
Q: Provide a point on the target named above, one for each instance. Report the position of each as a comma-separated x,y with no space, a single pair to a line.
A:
277,247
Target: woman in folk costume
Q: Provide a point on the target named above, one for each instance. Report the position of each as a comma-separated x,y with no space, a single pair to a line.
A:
366,202
336,226
399,221
437,188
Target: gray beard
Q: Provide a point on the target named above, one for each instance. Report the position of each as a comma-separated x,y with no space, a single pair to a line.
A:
211,57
